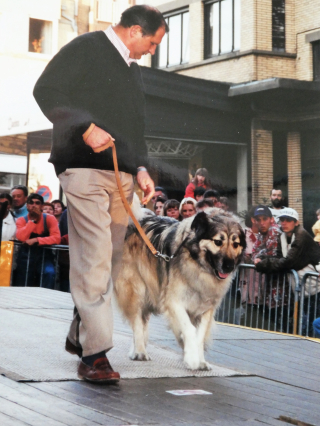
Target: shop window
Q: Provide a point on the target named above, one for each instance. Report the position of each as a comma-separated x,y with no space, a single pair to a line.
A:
174,48
316,60
40,36
222,27
278,25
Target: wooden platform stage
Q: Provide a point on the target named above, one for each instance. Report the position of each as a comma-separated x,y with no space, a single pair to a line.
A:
282,388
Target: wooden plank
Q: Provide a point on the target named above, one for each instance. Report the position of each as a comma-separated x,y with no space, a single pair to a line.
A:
41,407
59,402
10,421
23,414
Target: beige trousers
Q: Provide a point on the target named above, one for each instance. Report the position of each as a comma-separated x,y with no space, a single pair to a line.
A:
97,222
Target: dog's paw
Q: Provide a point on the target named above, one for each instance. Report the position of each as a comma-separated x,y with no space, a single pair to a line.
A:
204,365
192,362
140,357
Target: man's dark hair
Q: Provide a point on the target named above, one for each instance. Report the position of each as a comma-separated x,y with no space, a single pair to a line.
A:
147,17
249,215
6,196
212,193
59,202
159,188
161,199
22,187
206,202
35,197
199,191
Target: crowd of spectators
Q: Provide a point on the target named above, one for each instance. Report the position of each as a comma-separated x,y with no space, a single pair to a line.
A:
276,242
36,224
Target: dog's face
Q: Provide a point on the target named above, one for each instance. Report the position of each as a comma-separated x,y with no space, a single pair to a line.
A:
218,243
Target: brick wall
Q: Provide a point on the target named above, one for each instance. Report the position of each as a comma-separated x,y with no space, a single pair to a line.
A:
234,70
275,66
262,163
294,172
248,25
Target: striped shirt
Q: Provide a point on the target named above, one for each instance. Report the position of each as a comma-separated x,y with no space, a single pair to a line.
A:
119,45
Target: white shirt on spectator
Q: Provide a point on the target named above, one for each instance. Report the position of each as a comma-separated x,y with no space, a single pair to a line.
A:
8,228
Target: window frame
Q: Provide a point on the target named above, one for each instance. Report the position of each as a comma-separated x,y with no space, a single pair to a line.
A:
167,16
207,37
316,60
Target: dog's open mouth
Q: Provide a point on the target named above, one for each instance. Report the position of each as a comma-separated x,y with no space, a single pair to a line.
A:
221,275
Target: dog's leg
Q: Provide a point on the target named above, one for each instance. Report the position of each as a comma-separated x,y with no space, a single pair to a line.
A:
184,330
203,330
140,336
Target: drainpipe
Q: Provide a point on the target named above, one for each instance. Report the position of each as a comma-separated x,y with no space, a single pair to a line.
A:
72,20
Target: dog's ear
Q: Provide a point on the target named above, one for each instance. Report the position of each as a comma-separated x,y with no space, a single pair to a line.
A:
242,237
200,225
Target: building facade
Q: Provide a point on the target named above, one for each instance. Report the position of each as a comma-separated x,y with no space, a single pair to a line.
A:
257,46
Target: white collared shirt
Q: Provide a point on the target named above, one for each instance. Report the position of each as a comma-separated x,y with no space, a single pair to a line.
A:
119,45
8,228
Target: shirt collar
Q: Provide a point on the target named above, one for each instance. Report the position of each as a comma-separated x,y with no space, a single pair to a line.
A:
119,45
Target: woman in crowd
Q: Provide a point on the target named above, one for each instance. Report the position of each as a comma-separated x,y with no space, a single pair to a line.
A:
9,223
158,206
187,207
200,179
59,208
171,209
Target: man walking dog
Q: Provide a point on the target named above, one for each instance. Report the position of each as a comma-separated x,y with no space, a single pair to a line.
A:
92,92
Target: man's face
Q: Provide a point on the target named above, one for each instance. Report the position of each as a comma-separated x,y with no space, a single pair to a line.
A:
264,223
199,197
188,210
47,209
144,44
19,199
156,195
34,205
276,198
288,224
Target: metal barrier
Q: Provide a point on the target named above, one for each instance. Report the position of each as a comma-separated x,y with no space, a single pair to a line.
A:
309,303
40,266
262,301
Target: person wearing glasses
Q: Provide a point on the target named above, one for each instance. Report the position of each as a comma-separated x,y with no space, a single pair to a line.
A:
36,229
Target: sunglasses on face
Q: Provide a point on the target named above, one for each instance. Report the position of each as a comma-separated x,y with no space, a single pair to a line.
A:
286,219
37,203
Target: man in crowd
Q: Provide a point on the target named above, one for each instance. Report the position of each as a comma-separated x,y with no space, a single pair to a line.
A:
277,202
267,239
213,195
19,194
296,248
159,192
36,229
92,92
204,204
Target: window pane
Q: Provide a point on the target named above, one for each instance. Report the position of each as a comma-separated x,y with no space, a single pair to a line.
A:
163,49
40,36
214,28
237,24
226,26
316,60
175,40
278,24
185,37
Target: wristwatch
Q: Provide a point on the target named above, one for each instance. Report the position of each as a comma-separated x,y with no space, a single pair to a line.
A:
141,169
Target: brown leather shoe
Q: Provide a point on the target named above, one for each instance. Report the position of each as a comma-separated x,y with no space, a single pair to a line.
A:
72,349
101,372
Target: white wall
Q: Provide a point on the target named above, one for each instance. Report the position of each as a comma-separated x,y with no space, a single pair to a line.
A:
20,69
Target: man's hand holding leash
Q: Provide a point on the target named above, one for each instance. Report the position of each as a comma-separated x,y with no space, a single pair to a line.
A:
100,140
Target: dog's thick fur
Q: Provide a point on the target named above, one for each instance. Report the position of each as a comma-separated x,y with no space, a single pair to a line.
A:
207,249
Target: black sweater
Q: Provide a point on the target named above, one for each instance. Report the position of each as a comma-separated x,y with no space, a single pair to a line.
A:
89,82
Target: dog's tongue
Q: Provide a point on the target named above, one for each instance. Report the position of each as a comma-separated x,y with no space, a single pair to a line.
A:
223,276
